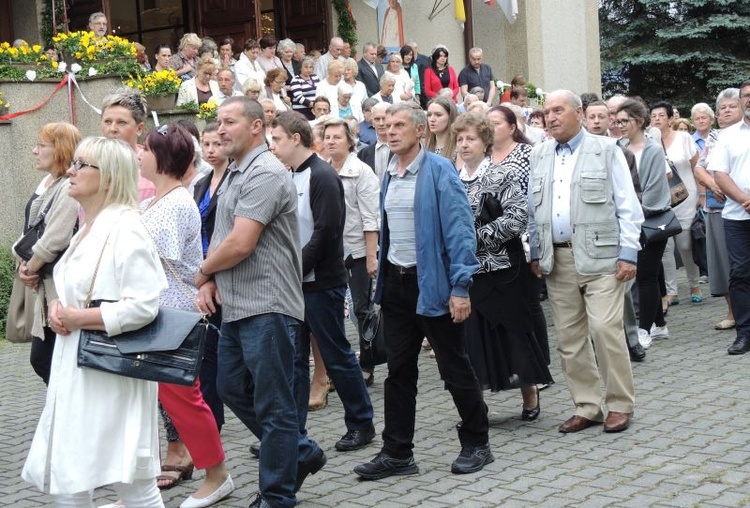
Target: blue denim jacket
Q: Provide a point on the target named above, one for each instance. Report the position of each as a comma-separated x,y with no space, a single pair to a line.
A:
445,236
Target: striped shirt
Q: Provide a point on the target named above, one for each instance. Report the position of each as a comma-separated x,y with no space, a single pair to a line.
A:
270,279
303,91
399,206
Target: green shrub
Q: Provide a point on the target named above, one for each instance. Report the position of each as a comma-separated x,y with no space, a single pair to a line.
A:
7,273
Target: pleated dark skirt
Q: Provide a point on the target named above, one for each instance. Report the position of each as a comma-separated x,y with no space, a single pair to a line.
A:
500,340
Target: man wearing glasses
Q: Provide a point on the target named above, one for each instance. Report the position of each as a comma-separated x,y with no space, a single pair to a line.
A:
730,161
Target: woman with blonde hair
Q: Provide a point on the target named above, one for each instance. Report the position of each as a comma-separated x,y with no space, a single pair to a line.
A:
82,443
53,154
351,68
185,61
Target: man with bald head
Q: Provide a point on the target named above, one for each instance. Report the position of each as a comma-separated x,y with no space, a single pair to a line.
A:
335,47
585,240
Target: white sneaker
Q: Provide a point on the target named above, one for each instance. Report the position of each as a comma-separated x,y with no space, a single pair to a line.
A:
659,332
644,338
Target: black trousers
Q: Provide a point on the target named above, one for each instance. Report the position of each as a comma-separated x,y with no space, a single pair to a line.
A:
647,278
40,356
404,331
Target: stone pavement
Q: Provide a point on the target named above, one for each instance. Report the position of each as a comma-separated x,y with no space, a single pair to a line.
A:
688,445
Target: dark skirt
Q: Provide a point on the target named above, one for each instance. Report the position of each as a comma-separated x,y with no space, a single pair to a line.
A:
500,340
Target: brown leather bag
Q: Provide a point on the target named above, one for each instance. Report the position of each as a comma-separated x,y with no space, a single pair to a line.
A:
20,318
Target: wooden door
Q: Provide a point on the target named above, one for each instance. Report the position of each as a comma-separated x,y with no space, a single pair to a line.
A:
6,29
305,21
228,18
80,10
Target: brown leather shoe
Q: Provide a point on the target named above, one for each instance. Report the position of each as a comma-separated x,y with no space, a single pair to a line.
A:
576,423
617,422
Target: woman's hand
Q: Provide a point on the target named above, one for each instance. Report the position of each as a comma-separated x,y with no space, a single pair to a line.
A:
53,317
208,298
30,279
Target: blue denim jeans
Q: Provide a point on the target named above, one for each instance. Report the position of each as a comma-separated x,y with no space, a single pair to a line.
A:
737,236
324,318
255,380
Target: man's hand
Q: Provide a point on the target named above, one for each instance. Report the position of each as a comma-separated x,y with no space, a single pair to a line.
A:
536,269
372,266
200,279
460,308
208,298
625,271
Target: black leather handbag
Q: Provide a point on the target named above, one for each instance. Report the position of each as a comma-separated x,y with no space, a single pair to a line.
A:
660,226
167,350
24,246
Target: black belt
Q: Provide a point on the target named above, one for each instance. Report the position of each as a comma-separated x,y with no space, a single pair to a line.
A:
404,270
563,245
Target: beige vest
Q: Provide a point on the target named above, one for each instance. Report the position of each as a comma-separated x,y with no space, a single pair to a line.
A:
594,226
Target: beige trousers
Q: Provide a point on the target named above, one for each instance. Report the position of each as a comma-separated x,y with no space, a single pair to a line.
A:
587,312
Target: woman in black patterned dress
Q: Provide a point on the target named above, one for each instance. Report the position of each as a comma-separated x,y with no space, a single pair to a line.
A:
500,337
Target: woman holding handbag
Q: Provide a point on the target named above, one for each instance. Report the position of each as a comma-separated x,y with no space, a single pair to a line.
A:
500,340
631,119
99,428
174,224
52,209
680,150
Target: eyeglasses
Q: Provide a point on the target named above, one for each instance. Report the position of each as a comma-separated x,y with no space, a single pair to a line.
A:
623,123
78,165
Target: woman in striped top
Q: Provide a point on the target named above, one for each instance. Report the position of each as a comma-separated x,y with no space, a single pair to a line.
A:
303,88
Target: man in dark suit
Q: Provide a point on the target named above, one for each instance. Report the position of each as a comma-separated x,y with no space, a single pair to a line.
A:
378,154
369,70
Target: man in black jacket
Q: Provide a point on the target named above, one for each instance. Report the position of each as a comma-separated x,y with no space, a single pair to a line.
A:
370,71
378,154
321,214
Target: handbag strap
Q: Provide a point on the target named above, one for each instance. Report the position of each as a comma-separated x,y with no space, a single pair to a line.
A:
87,302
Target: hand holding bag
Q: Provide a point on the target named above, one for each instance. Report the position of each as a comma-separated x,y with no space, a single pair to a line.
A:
168,350
373,352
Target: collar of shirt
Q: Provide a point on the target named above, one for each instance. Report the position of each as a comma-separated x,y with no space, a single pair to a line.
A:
575,141
412,168
248,159
478,173
379,143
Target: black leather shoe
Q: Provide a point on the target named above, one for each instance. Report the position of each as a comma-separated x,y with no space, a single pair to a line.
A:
383,466
472,459
255,450
740,347
637,353
311,466
356,439
529,415
259,502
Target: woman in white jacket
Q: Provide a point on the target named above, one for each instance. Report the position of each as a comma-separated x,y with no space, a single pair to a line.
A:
98,428
202,87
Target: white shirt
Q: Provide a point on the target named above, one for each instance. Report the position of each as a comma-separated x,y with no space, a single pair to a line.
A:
731,155
565,162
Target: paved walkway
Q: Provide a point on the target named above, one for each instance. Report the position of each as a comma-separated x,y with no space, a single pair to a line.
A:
688,445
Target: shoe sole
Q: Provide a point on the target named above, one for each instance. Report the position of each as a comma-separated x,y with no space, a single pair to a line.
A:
488,460
395,472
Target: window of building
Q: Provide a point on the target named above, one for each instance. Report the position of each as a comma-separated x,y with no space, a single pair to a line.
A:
150,22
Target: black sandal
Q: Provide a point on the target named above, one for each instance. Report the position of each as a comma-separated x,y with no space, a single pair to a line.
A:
186,473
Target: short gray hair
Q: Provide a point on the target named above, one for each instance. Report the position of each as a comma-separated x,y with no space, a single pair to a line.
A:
96,15
573,99
702,107
476,51
369,45
189,39
286,44
251,109
387,77
417,114
130,99
727,94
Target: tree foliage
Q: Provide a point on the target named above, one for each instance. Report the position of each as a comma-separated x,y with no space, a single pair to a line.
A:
684,51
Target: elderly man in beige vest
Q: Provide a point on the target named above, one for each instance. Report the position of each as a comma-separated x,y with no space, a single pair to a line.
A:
586,232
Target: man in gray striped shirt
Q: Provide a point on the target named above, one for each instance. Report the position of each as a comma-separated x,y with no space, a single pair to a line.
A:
254,263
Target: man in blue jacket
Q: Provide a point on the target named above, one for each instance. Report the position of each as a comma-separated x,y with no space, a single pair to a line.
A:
427,259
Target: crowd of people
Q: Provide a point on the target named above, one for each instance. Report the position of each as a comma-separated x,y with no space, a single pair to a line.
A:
407,185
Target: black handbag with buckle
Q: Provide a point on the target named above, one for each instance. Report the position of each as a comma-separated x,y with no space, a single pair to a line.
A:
24,246
660,226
